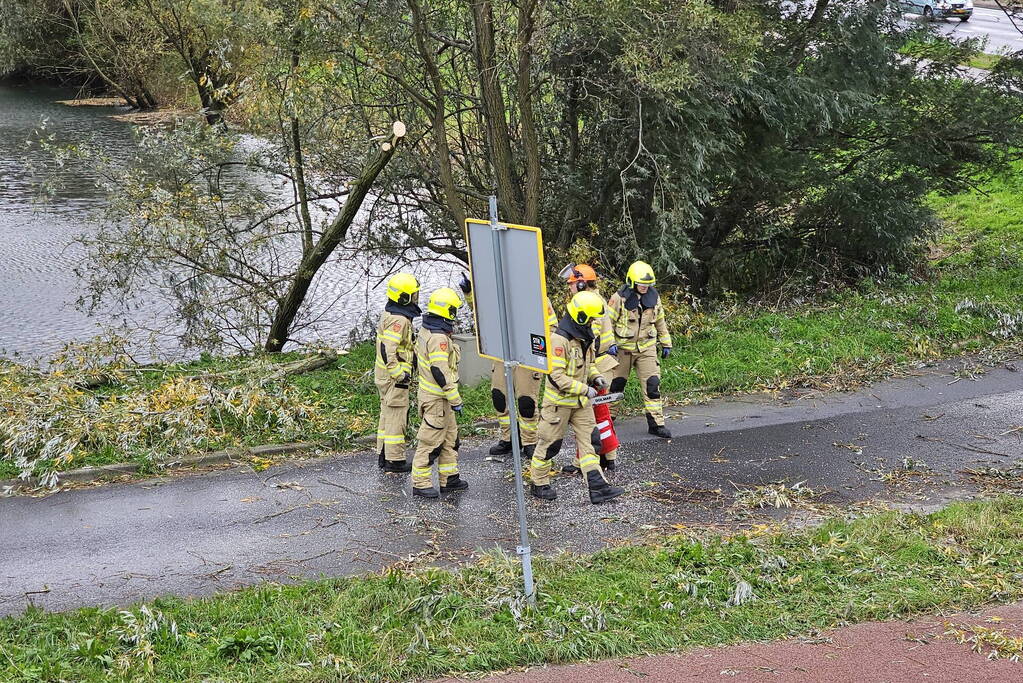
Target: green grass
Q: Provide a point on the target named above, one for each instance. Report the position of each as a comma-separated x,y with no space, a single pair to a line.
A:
983,61
618,602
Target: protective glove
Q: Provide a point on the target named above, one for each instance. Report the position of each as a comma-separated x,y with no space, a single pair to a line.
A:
665,351
591,392
403,381
465,285
457,409
600,383
613,350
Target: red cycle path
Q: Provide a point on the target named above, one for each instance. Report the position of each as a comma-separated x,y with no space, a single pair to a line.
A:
873,652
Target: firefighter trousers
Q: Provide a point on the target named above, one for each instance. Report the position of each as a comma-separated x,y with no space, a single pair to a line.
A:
437,442
554,422
527,392
648,371
394,402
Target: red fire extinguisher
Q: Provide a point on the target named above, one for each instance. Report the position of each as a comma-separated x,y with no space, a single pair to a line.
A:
605,426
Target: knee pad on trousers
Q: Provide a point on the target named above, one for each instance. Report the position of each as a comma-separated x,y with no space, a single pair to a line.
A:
527,407
552,450
617,384
653,386
435,453
497,396
595,440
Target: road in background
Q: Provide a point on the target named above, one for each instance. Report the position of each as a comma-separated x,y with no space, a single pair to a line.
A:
1001,35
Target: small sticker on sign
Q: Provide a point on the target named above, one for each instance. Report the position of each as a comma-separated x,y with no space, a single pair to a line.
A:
539,345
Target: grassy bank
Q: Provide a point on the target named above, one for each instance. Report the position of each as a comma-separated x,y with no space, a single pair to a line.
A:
682,593
968,297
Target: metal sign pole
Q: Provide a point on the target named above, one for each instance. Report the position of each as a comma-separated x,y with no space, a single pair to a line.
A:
513,418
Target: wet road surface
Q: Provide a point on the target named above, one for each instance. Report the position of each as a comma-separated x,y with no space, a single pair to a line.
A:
905,441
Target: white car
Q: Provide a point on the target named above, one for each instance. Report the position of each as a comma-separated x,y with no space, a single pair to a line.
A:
939,9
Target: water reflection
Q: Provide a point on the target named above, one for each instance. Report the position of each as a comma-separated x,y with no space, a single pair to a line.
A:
38,257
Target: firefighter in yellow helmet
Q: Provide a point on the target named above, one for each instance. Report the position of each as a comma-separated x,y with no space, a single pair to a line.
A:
393,372
527,392
637,318
573,382
439,400
583,278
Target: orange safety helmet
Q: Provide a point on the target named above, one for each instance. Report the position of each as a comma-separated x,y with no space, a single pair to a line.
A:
582,273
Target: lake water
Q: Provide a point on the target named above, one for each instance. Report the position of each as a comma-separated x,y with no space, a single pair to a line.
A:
38,285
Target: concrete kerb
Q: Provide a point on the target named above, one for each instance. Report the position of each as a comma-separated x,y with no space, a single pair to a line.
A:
85,475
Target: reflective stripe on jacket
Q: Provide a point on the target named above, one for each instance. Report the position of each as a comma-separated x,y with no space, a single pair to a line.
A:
394,347
639,329
438,357
571,371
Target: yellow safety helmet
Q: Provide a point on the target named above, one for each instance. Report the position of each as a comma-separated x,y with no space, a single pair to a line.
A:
640,273
402,289
444,302
585,306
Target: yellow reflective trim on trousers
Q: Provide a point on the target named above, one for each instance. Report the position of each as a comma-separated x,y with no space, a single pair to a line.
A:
448,469
588,460
504,420
390,438
540,463
529,426
652,405
421,471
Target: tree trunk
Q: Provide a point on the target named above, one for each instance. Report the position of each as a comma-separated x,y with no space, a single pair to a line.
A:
314,259
437,120
524,93
495,111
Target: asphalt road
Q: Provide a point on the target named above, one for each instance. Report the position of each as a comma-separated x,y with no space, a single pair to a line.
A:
1001,35
201,533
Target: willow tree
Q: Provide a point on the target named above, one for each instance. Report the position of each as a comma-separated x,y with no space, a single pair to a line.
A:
232,229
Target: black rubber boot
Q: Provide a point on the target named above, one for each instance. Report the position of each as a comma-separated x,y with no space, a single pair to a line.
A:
600,490
381,460
501,448
397,466
656,429
455,483
426,493
527,452
545,492
605,464
570,470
